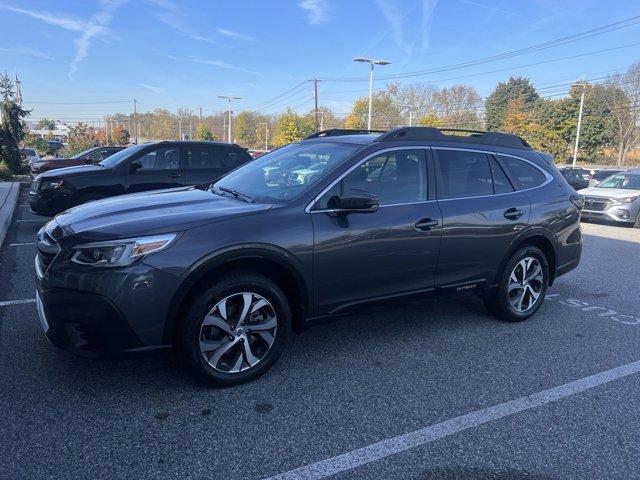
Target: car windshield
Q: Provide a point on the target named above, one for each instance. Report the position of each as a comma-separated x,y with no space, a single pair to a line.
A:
118,157
625,181
285,173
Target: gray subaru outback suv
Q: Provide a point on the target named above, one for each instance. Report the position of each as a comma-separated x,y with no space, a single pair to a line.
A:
224,274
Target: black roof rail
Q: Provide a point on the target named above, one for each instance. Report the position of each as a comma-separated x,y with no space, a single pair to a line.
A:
475,136
336,132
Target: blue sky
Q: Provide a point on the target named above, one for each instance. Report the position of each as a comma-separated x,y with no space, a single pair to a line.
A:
172,53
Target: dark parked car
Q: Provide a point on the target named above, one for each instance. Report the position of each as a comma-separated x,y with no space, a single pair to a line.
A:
93,156
150,166
224,274
578,178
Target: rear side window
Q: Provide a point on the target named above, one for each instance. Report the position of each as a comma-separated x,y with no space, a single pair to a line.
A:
501,183
523,173
464,174
234,157
161,159
203,158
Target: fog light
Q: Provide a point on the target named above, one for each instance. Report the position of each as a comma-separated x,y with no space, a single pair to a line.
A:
624,214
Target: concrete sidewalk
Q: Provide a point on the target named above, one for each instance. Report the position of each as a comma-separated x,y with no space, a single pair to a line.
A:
9,192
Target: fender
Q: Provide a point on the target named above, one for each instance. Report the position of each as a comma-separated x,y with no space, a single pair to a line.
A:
525,234
225,255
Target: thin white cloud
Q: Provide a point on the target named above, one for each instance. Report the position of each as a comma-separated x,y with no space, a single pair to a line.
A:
316,11
97,25
204,39
233,34
428,6
221,64
151,88
68,23
170,14
31,52
394,17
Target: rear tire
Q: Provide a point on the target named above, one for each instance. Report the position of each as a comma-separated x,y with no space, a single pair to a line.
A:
523,286
235,329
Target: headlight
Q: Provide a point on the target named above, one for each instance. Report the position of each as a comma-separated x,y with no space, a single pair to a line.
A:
50,184
628,199
119,253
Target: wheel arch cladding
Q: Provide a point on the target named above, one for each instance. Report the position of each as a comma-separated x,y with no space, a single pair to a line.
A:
272,265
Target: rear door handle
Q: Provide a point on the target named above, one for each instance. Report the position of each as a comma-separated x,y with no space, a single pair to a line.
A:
426,224
513,213
174,175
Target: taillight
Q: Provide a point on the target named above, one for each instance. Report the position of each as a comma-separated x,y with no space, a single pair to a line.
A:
577,200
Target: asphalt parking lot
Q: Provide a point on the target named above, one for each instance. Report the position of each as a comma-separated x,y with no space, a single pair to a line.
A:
450,392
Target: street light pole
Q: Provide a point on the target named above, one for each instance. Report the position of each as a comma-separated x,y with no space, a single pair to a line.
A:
266,135
410,107
229,98
371,62
575,150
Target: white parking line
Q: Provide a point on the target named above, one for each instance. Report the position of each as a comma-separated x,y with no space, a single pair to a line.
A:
20,244
417,438
17,302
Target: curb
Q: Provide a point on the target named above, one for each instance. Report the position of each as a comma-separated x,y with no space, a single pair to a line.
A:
7,206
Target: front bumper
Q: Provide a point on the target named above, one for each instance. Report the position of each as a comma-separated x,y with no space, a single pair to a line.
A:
45,204
622,213
107,313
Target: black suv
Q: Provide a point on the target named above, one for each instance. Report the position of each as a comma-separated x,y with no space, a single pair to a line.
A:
225,273
149,166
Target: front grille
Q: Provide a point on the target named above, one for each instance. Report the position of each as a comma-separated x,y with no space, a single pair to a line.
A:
595,204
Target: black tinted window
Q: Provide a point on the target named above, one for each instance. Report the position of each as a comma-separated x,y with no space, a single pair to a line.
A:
464,174
234,157
501,183
202,158
523,173
161,159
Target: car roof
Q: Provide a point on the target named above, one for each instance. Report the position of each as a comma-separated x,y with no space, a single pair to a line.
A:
358,139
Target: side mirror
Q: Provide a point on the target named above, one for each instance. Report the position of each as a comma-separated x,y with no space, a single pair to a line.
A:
134,166
354,201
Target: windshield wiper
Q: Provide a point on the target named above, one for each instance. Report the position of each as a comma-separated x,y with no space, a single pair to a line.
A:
237,194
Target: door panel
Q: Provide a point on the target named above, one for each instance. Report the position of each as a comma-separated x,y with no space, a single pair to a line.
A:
394,250
161,168
478,224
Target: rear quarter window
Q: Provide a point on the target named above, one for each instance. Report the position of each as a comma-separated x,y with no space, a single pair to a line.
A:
523,173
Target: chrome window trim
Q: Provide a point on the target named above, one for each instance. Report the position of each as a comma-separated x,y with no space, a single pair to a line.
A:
548,177
307,209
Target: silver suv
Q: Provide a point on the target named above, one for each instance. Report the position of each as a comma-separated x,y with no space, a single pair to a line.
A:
616,198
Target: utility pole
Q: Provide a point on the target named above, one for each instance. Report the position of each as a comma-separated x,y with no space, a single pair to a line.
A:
200,115
371,62
180,128
135,119
321,120
190,130
229,98
315,98
106,129
410,107
266,135
575,151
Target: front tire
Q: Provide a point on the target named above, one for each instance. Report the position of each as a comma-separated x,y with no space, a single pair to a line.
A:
523,286
235,329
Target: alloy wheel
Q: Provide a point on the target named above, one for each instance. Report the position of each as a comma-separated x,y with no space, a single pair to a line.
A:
238,332
525,284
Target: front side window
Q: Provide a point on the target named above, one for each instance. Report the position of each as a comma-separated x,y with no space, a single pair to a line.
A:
285,173
166,158
114,160
464,174
393,177
523,173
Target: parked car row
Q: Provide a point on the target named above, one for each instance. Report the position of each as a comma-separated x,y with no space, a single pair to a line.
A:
224,272
92,156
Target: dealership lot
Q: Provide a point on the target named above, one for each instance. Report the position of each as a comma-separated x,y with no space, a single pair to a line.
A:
376,375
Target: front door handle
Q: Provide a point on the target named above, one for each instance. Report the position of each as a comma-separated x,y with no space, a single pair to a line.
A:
426,224
174,175
513,213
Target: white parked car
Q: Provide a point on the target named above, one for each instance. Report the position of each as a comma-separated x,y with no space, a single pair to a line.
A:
616,198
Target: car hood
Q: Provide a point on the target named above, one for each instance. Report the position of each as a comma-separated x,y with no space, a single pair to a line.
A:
150,213
73,171
609,192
